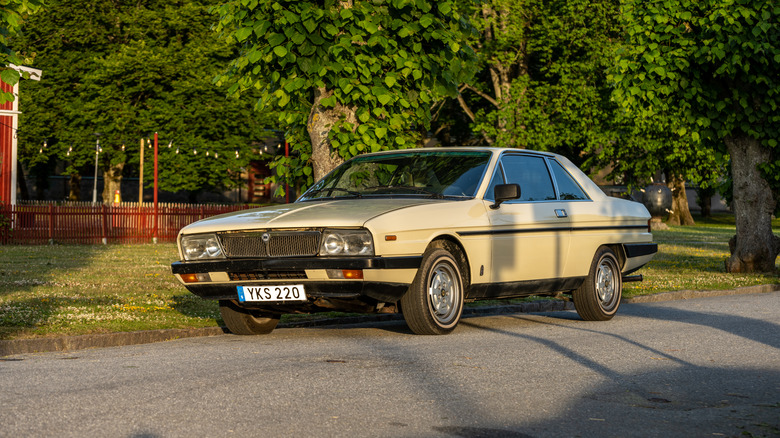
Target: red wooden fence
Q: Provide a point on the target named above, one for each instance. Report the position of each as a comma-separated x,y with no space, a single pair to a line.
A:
90,224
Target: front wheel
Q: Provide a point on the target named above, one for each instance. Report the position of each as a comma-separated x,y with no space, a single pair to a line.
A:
242,321
434,302
598,298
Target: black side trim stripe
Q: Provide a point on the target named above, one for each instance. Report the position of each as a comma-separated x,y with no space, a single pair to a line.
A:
551,230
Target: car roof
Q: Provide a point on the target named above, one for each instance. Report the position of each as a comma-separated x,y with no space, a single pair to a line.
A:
492,149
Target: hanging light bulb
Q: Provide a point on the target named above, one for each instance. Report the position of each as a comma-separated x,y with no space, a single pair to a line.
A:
40,151
207,152
194,151
216,154
123,147
177,149
170,144
236,153
45,143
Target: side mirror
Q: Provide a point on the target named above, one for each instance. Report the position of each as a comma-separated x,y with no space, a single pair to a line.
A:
505,192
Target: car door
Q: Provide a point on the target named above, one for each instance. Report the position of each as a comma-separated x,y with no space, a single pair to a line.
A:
530,236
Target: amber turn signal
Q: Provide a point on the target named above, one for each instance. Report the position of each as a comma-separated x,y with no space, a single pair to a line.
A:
195,278
349,274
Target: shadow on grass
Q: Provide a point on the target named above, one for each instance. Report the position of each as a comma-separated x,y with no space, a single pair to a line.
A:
20,316
24,268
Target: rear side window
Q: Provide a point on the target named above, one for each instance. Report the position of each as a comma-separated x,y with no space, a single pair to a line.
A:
568,189
531,174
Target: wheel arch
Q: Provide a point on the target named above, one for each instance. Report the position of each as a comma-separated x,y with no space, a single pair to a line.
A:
620,253
445,240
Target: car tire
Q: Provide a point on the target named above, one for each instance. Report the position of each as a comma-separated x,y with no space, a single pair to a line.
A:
242,321
434,302
598,298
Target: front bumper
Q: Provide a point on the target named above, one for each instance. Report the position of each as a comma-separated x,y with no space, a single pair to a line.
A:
230,274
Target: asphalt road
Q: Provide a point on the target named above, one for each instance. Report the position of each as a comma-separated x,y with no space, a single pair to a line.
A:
704,367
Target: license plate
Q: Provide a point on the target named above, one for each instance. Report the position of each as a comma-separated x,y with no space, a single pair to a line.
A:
287,292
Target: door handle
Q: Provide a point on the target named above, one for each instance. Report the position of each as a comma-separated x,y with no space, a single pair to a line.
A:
561,213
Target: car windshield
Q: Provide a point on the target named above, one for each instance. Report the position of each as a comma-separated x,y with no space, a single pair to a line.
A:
433,174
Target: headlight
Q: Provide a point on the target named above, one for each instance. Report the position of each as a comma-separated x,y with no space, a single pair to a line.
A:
346,243
201,246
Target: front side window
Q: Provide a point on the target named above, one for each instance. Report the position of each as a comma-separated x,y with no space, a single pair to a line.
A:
436,174
531,174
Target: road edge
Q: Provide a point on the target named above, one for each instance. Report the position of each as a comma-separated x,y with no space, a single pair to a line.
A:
103,340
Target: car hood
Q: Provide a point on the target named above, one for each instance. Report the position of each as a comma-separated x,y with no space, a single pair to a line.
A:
313,214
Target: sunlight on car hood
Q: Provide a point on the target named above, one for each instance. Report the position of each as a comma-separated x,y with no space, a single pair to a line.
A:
315,214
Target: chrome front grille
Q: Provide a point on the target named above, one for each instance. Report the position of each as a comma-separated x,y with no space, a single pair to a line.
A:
269,275
264,244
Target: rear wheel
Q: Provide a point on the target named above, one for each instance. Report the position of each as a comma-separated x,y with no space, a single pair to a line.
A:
242,321
598,298
434,302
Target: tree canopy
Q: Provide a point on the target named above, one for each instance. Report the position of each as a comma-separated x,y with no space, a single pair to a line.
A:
713,64
346,77
12,16
126,70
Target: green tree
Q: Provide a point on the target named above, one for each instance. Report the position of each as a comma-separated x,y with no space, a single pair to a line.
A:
648,148
542,82
12,15
346,77
715,63
127,69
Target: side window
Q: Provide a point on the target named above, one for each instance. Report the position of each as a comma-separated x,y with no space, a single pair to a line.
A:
498,178
532,175
568,189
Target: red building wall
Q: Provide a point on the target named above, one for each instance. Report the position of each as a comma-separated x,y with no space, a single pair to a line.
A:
6,139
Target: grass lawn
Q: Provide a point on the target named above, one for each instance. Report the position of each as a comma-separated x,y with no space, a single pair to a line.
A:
79,289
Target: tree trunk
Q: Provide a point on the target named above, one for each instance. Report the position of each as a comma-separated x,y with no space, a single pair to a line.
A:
681,212
112,182
21,181
754,248
321,121
75,187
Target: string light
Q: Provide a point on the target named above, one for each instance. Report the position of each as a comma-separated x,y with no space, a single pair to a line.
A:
207,152
177,149
236,153
194,151
123,147
216,154
170,144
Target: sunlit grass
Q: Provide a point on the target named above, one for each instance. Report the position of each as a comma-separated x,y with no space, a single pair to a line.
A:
693,258
79,289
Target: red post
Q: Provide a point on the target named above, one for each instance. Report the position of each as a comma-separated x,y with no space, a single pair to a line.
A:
156,211
286,186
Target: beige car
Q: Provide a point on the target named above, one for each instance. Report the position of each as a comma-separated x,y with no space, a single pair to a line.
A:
421,231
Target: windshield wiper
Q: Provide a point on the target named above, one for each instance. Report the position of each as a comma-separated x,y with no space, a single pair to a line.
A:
339,189
410,188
